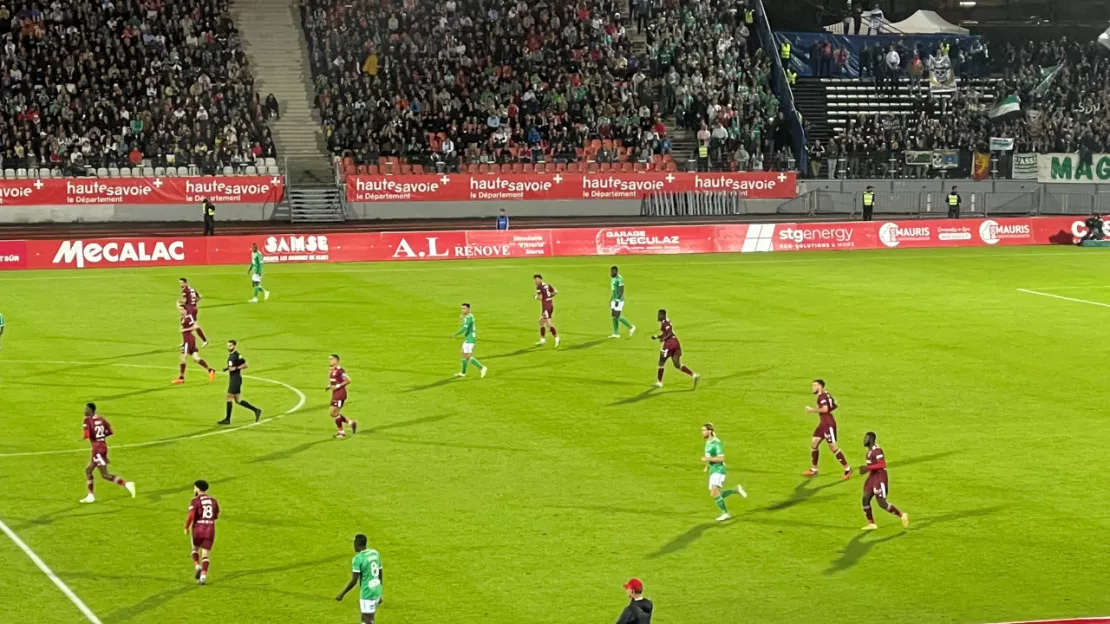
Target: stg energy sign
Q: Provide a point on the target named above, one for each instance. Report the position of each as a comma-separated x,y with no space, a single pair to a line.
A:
474,244
221,189
577,186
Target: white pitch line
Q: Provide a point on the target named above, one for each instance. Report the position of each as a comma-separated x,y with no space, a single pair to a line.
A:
77,602
1073,299
301,399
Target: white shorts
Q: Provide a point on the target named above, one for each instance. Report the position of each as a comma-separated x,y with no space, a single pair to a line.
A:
368,606
616,306
468,348
716,479
256,279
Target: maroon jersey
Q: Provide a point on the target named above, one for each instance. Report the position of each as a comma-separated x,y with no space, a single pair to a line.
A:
876,460
546,292
667,335
191,298
876,483
826,400
188,340
203,513
337,376
97,431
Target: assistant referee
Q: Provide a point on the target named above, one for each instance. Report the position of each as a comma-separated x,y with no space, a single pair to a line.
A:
235,367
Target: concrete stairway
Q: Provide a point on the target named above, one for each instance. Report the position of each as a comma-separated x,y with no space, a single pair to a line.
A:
275,46
321,204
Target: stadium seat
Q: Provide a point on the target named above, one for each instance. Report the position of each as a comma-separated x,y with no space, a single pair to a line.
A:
21,173
273,170
126,172
148,172
113,172
159,172
251,170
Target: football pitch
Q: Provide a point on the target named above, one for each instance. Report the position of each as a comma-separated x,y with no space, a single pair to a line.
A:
531,495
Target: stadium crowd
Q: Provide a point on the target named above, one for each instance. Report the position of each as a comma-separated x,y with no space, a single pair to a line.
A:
459,84
110,83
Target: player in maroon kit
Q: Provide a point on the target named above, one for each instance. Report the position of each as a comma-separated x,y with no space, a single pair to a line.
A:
546,293
190,297
201,522
97,431
671,350
338,380
876,484
189,346
826,429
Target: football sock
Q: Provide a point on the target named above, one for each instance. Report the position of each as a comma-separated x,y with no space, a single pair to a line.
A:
89,483
257,290
892,509
182,375
543,331
339,423
616,326
204,566
476,362
343,419
727,493
554,333
814,454
659,374
244,404
867,512
228,416
200,332
465,363
720,500
196,559
687,370
840,458
623,321
203,364
118,481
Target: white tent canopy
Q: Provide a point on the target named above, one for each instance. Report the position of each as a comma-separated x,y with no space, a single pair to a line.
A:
928,22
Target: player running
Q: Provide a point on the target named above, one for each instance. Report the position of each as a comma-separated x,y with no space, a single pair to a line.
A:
190,297
545,293
470,337
671,350
338,380
201,522
366,571
97,431
876,484
616,304
234,369
826,429
714,460
189,346
255,271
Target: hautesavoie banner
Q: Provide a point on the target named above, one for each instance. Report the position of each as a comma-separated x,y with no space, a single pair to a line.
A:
1060,168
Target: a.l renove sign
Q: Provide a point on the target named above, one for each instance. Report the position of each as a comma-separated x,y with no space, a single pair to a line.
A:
475,244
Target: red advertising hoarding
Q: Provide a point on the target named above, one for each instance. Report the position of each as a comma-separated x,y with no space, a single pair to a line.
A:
477,244
566,185
164,190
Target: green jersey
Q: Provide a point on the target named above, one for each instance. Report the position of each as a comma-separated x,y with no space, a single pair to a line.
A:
618,287
715,448
368,564
1,320
256,262
467,331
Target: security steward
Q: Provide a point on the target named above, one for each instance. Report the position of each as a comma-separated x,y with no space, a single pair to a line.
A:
209,211
868,203
953,200
703,156
784,52
791,77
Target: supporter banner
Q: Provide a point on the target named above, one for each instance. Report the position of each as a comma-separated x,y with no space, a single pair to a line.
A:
1001,145
221,190
946,159
1024,167
924,159
1071,169
569,186
980,166
941,77
467,245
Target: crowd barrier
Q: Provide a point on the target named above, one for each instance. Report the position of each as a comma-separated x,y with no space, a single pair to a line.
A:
142,191
472,244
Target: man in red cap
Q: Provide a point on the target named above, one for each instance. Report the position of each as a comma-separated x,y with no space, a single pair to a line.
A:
639,609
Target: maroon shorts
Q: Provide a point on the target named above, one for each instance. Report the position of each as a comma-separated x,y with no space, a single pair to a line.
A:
548,310
671,348
338,398
192,310
876,484
99,454
827,431
189,347
204,537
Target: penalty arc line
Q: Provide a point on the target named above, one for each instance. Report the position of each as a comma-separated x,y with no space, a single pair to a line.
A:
1063,298
301,400
59,583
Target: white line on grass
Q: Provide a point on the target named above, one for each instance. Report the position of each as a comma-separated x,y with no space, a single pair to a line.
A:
81,606
1073,299
301,399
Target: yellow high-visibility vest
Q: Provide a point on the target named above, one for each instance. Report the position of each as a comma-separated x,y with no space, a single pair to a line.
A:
953,199
703,151
791,76
868,198
749,16
784,51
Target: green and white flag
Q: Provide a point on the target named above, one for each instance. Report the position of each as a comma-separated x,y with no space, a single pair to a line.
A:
1048,74
1009,105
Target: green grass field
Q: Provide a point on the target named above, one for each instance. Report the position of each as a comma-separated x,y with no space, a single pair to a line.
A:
533,494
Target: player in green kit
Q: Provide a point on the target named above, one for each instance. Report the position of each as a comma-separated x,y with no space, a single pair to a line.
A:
1,331
616,304
255,271
714,460
470,337
366,572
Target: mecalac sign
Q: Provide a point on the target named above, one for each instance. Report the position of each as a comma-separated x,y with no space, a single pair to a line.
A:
80,253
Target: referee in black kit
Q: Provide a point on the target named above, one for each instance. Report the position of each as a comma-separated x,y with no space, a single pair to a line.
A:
235,366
